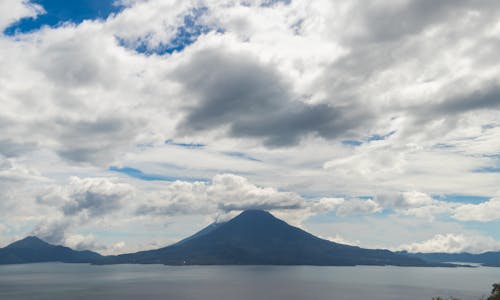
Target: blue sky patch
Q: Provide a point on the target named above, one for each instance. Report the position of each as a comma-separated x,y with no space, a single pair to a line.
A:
269,3
185,145
487,170
380,137
241,155
490,228
461,198
138,174
375,137
186,35
58,12
353,143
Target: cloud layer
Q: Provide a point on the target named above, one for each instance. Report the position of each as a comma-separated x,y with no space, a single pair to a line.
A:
322,111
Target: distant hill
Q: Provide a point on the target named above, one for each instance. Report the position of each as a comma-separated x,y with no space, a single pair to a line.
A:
256,237
33,250
490,259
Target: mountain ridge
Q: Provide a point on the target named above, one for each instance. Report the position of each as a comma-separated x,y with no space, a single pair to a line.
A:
488,258
34,250
256,237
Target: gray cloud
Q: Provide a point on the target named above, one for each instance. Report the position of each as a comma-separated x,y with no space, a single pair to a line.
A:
486,98
80,202
387,21
89,197
96,196
94,139
253,100
11,148
52,231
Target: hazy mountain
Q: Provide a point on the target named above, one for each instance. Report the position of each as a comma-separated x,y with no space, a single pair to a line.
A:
33,249
491,259
257,237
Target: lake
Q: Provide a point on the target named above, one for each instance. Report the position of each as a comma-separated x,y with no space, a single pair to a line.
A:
53,281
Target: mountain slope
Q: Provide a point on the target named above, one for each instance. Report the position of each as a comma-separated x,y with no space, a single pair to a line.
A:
258,238
33,249
491,259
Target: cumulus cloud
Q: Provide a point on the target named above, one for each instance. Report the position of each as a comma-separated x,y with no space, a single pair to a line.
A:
81,242
95,196
88,196
80,202
345,207
422,205
237,193
405,200
482,212
358,206
225,193
54,230
454,243
177,198
416,204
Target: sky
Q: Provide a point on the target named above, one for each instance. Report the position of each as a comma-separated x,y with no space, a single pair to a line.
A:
129,125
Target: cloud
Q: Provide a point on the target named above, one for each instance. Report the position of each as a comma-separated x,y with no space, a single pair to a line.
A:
225,193
94,196
81,242
454,243
237,193
341,240
482,212
177,198
390,21
405,200
53,231
12,148
424,206
486,97
228,193
274,81
13,10
254,100
12,171
80,202
358,207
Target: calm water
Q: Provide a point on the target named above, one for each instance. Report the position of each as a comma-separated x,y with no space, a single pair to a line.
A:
77,281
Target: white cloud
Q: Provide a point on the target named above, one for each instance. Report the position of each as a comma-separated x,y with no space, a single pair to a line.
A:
341,240
237,193
225,193
13,10
81,242
10,170
482,212
358,207
454,243
88,196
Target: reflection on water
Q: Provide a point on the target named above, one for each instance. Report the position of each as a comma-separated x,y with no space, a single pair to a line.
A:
78,281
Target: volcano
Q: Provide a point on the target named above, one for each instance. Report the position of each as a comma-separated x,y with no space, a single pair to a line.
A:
256,237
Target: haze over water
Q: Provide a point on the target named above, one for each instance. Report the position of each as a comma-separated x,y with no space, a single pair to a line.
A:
78,281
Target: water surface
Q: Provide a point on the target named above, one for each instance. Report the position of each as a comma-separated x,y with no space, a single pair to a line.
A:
56,281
